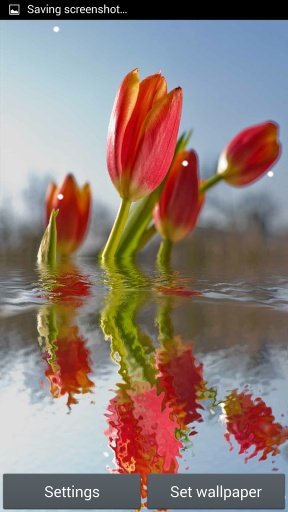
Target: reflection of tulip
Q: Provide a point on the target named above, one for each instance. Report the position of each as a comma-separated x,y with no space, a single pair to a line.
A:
180,203
181,379
68,375
142,134
64,348
142,434
74,206
252,424
250,154
66,285
71,286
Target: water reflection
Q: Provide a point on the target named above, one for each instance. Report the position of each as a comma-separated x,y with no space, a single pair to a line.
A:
163,391
179,374
175,403
64,348
142,426
141,432
181,380
252,424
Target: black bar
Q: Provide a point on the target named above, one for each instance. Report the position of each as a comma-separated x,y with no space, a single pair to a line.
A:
122,10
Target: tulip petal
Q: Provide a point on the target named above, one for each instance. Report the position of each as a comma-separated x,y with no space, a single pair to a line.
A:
258,164
181,189
185,203
49,200
157,145
67,221
151,90
249,138
121,113
250,154
84,201
178,209
74,205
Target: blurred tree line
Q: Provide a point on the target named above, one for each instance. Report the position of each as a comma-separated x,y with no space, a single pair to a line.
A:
221,225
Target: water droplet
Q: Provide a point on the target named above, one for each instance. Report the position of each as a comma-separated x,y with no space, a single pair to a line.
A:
60,196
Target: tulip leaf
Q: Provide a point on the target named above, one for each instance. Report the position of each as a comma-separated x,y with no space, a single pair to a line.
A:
47,253
183,141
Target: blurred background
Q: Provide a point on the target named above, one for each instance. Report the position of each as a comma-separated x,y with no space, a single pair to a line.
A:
58,84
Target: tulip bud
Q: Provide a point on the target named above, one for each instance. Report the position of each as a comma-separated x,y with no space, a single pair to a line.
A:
74,205
142,134
176,213
250,154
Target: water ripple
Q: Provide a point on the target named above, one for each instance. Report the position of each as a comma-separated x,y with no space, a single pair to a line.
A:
22,288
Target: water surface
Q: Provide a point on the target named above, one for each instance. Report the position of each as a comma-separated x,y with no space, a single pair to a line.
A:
139,369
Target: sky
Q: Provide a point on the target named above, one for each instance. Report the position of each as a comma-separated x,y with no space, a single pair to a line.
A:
58,88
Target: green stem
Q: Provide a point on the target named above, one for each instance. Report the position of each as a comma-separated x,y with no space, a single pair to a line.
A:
117,230
164,255
138,222
210,182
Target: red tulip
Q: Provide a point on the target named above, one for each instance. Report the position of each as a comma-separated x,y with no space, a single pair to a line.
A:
253,425
250,154
180,203
142,134
74,205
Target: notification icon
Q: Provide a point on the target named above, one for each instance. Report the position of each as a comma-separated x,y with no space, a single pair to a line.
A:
14,9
